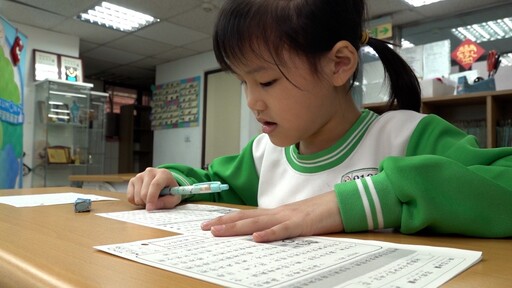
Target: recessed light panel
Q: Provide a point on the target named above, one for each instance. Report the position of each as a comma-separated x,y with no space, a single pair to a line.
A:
418,3
486,31
506,59
117,17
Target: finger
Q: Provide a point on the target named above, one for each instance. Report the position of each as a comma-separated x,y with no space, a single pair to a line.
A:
130,192
147,178
279,232
161,179
233,217
165,202
134,187
245,226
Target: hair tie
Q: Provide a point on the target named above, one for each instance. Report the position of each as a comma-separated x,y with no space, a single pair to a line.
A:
364,38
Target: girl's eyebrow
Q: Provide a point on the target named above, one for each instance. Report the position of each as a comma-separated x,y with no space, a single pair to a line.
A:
256,69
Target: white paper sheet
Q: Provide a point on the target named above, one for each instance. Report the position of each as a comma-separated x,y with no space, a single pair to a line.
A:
48,199
184,219
299,262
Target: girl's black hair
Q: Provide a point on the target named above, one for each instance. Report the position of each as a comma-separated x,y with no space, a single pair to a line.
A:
308,28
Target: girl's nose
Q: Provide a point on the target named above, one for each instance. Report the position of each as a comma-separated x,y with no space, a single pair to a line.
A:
255,101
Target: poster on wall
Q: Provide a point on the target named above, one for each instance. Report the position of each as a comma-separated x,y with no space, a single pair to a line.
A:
71,69
429,61
176,104
46,65
12,71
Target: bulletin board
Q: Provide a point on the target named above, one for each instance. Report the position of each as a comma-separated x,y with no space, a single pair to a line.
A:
176,104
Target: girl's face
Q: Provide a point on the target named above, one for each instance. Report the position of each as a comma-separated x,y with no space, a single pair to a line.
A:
306,109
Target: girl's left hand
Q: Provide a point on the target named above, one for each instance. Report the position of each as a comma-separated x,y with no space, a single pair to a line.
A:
313,216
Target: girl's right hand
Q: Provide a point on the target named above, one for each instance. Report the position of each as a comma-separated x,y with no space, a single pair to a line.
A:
145,187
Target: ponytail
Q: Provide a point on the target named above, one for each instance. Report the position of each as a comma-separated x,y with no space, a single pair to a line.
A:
404,88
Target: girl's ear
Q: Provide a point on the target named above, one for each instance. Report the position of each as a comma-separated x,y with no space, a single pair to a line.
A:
344,60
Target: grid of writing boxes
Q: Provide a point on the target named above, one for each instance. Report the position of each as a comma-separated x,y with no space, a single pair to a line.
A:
189,102
175,102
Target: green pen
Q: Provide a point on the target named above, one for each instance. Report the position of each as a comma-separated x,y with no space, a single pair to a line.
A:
199,188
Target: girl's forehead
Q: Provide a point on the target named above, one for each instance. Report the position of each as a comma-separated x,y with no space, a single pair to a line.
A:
253,62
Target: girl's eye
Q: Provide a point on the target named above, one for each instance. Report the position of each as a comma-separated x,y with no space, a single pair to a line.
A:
268,84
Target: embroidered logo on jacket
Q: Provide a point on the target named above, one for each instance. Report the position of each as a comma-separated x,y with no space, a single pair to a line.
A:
359,173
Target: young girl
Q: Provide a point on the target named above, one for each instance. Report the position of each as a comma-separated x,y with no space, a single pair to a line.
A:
322,165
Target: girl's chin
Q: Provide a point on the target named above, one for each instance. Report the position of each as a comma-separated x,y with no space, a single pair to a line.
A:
280,142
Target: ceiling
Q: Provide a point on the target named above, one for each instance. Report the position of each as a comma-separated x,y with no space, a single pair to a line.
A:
185,29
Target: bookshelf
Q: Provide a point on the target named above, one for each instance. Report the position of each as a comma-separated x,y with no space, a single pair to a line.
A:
493,109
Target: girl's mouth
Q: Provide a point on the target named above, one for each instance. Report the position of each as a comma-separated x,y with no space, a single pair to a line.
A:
268,127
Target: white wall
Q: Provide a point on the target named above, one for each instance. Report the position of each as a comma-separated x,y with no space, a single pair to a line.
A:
184,145
249,127
223,111
39,39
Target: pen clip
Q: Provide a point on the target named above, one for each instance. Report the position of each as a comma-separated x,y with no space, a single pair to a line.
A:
207,183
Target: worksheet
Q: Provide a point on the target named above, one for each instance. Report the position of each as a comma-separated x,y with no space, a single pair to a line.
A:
184,219
49,199
299,262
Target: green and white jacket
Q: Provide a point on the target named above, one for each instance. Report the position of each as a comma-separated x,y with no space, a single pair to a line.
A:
401,170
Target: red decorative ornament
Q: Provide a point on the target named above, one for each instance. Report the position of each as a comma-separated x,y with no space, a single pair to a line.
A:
16,49
467,53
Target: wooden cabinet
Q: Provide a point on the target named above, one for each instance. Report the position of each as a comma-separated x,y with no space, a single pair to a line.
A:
135,139
491,108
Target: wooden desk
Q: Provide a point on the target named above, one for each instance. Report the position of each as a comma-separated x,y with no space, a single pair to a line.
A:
51,246
108,182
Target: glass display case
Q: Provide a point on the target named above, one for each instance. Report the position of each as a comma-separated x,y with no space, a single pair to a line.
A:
97,129
64,126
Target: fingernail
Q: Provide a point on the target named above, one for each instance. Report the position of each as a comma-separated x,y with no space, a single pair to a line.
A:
205,225
257,237
150,207
218,228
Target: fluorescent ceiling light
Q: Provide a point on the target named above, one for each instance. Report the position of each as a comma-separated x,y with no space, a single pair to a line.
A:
117,17
506,59
406,44
370,52
486,31
418,3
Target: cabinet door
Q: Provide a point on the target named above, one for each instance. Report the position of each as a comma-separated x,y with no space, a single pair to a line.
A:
470,117
135,139
501,111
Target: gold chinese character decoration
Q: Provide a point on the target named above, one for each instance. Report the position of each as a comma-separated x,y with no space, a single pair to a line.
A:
467,53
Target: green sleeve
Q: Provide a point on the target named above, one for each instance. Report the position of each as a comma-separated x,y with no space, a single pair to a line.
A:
238,171
445,184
